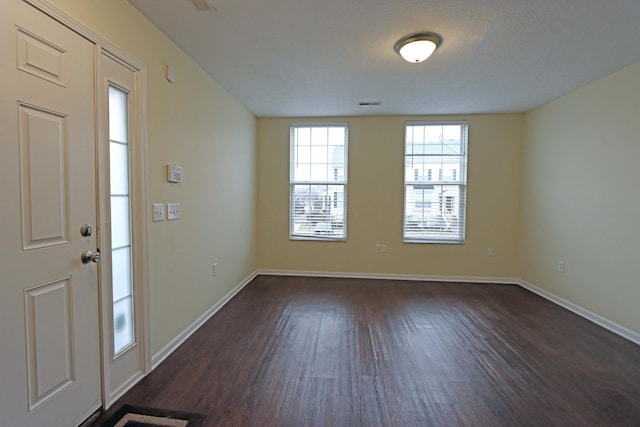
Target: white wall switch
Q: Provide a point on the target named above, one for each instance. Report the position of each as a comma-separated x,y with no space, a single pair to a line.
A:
561,266
173,210
158,212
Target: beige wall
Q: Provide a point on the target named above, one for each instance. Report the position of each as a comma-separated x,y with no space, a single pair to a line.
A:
580,197
375,200
198,125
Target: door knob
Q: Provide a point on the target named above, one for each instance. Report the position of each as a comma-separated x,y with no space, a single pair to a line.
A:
88,256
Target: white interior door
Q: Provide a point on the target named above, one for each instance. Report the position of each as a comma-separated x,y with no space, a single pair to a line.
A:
49,307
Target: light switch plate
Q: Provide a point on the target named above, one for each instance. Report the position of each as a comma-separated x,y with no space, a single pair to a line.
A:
173,210
158,212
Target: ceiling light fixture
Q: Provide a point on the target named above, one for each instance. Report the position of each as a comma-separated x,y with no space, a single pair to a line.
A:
417,47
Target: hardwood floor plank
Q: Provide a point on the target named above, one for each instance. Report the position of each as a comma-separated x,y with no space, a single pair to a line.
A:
292,351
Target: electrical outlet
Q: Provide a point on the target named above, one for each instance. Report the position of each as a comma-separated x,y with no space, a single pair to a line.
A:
381,248
561,266
173,210
489,251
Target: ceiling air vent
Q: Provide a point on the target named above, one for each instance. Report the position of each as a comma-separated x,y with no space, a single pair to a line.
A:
201,5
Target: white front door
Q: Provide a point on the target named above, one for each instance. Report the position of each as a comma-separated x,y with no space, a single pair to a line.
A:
49,307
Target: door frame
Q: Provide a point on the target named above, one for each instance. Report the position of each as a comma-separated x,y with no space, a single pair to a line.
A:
138,183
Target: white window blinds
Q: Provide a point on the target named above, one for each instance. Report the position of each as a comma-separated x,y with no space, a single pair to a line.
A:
435,182
318,181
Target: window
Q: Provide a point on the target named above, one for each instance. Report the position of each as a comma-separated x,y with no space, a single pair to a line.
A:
435,212
318,181
121,261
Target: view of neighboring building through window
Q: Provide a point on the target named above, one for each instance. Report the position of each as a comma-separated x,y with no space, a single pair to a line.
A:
318,181
434,210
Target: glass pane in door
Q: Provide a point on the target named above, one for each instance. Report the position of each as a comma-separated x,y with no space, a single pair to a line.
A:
122,283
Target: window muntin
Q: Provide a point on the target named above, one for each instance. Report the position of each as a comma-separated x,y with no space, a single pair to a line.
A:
434,210
318,182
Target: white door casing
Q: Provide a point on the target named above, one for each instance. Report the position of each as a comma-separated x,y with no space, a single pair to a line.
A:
49,321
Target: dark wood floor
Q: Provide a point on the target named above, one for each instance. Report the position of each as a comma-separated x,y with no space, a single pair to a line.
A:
290,351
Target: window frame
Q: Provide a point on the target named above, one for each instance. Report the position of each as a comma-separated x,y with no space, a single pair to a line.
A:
342,204
460,181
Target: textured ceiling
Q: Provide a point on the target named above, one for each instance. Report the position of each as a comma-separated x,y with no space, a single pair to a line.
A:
299,58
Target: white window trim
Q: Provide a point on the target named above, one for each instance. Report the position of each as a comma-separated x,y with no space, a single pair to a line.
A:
461,182
345,183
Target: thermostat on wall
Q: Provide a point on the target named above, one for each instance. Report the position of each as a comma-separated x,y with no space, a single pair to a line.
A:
174,173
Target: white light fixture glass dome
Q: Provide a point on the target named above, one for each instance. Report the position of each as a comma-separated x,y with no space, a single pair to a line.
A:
416,48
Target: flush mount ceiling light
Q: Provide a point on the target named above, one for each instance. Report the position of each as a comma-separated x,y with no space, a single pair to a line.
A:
417,47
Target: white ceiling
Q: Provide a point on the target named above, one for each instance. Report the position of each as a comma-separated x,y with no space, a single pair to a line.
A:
298,58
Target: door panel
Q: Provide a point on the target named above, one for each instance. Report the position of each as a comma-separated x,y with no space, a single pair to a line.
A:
40,58
49,315
44,177
49,328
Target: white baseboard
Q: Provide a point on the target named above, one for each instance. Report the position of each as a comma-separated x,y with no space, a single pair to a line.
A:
423,278
182,337
583,312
